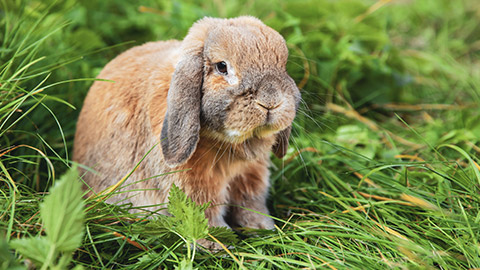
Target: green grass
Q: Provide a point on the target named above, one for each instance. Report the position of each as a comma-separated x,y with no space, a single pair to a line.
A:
383,169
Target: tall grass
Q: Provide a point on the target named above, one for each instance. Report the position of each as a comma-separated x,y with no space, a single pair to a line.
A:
383,169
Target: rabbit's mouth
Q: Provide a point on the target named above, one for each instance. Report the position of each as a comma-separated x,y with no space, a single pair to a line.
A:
235,136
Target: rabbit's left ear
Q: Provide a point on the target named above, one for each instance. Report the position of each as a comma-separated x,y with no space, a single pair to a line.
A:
281,142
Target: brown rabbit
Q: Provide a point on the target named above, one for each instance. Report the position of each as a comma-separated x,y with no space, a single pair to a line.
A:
217,102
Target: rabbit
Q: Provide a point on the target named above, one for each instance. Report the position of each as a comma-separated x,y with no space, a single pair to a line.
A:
209,109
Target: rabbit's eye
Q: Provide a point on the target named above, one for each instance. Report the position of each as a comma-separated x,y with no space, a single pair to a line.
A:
221,68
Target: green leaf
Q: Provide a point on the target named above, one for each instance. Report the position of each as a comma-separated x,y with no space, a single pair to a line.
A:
62,212
224,235
359,139
7,260
160,225
187,220
185,265
467,156
161,228
188,217
36,248
147,261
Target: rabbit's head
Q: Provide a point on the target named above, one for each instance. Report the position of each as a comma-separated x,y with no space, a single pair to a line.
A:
230,84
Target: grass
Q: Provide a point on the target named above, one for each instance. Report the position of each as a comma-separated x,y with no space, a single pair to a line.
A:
383,169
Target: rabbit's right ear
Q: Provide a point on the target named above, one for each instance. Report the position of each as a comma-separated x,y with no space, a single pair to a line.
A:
181,126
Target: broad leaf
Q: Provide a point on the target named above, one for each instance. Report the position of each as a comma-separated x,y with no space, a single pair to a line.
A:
62,212
185,265
7,260
36,249
223,234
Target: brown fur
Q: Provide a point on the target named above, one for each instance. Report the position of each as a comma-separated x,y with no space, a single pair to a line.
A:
217,128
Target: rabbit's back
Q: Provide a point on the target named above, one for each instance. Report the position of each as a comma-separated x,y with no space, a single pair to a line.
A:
115,128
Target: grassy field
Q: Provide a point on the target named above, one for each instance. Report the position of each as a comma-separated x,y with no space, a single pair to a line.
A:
383,169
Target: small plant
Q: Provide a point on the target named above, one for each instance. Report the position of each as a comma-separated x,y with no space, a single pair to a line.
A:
62,213
187,222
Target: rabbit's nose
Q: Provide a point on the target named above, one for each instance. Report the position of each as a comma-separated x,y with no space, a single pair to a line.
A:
268,105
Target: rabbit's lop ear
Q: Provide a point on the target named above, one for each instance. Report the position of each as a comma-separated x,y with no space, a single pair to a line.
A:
181,126
281,142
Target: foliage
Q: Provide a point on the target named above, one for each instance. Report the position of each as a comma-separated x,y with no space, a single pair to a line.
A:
382,171
62,214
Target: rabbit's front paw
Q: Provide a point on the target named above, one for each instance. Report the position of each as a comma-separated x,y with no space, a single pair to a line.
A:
249,219
212,246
